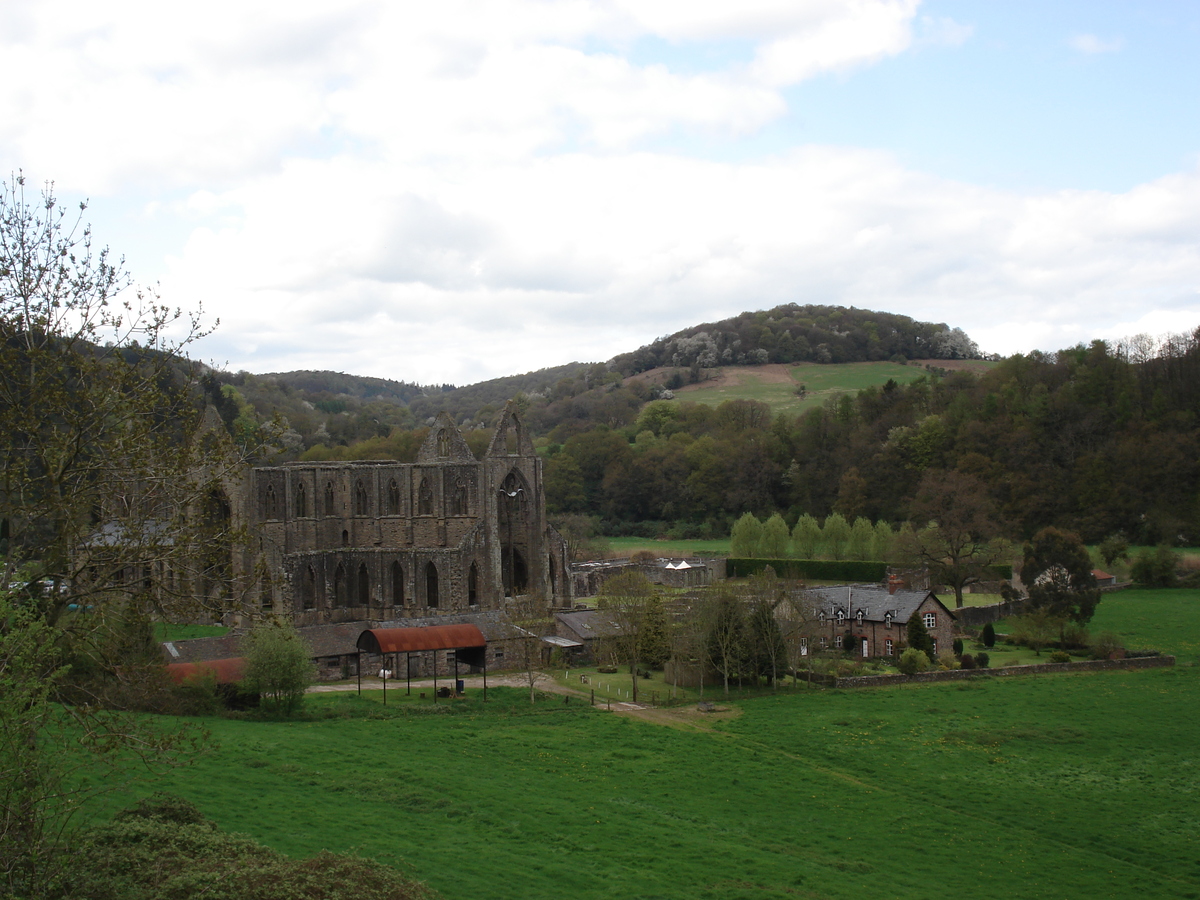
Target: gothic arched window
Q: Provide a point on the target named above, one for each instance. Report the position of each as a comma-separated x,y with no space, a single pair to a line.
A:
361,500
397,584
393,498
425,498
431,585
329,504
301,500
364,586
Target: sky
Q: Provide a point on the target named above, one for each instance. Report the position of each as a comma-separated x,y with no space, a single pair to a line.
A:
456,191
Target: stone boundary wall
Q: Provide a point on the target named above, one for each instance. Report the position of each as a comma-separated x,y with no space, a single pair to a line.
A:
978,616
1091,665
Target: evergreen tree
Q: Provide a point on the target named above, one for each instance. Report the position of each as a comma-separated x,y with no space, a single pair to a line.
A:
918,636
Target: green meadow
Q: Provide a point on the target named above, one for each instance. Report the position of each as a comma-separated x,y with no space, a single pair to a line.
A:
1082,785
821,383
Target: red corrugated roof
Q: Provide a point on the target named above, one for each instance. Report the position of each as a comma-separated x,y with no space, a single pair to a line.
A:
228,671
434,637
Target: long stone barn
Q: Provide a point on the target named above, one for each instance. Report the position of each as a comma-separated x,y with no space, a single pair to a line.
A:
382,540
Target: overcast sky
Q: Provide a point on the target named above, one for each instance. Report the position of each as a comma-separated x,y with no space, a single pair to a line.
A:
455,191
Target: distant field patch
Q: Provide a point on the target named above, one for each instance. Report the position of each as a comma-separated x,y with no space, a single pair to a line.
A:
776,385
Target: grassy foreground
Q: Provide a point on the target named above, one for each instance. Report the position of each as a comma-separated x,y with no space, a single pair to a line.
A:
1063,786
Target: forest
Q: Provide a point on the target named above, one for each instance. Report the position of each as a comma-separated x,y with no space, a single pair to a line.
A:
1100,439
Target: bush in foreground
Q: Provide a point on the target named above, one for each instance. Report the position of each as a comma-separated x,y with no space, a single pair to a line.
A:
913,661
164,849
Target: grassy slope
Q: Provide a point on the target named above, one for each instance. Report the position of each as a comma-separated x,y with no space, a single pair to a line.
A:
822,382
1058,786
1034,787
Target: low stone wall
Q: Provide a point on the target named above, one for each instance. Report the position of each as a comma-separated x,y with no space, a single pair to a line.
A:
1089,665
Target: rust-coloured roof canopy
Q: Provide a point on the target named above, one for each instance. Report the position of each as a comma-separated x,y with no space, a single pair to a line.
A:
228,671
433,637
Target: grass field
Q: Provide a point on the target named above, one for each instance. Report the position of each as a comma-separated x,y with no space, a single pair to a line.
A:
1051,786
822,383
1075,786
165,631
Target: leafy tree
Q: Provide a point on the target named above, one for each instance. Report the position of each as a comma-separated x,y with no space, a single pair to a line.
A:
955,534
1114,547
1155,568
918,638
531,619
806,537
103,490
726,619
746,536
862,536
1037,629
773,541
836,535
633,605
278,665
766,650
1057,572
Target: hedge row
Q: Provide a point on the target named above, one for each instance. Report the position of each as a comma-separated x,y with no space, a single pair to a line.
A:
828,569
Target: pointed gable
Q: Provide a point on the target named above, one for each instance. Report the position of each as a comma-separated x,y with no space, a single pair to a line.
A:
445,443
510,429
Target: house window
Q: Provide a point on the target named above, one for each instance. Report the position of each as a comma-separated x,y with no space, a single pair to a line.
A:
837,641
824,642
887,621
822,617
841,617
859,615
930,620
935,646
888,648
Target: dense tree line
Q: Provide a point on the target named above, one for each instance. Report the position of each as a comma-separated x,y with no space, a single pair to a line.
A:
1096,439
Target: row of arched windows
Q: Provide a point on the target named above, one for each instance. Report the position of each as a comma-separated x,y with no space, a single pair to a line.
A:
458,499
356,591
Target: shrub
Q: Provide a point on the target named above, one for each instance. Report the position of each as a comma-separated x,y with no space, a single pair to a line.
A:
967,661
989,635
1105,645
957,646
1060,656
913,661
982,660
947,660
1155,569
643,556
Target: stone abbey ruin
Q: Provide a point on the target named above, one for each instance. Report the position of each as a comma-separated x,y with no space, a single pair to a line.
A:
381,540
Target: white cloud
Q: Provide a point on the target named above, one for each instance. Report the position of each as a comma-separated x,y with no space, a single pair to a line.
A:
1091,44
453,191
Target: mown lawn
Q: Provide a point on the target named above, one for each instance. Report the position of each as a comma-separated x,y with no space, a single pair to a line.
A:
1054,786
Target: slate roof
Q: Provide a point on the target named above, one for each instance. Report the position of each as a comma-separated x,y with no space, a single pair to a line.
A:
589,624
874,601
